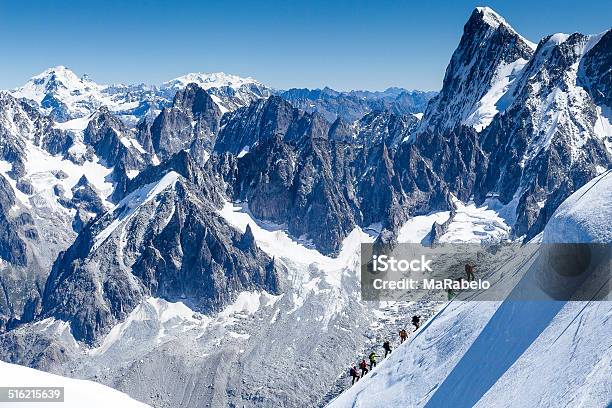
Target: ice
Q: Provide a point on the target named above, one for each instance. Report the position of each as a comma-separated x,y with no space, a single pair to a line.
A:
470,224
244,151
74,124
277,243
168,318
474,224
558,38
495,20
40,167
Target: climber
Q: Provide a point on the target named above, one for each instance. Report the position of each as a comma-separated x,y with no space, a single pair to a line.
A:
469,271
354,374
387,347
416,322
364,367
403,335
372,358
450,293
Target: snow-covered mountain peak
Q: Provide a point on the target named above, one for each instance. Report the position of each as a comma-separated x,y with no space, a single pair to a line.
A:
229,92
62,94
494,20
210,80
59,81
490,56
490,16
60,71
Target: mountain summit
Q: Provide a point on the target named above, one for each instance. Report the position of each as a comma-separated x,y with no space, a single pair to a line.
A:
489,57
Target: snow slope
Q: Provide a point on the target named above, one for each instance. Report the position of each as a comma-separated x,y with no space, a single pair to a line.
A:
470,224
77,393
510,353
585,216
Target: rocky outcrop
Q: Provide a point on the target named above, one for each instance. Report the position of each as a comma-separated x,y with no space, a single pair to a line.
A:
322,179
21,122
257,123
163,239
489,51
515,122
113,142
540,153
193,118
12,247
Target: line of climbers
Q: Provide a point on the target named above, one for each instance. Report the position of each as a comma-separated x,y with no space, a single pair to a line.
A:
469,272
416,322
363,365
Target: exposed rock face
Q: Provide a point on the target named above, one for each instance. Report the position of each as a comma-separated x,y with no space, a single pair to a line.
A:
86,198
255,124
113,142
193,118
26,251
322,180
455,157
20,121
513,122
544,152
293,182
20,271
166,240
36,350
543,145
489,51
593,73
12,247
385,127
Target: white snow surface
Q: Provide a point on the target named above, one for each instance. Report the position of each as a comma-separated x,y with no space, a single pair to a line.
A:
509,353
475,224
273,240
80,95
495,20
555,106
585,216
77,393
209,80
417,228
471,224
484,354
78,124
492,103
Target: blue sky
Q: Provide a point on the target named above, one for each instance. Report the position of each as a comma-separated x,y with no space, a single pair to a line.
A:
341,44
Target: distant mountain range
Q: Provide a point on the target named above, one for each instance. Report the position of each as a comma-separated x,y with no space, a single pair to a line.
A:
63,95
